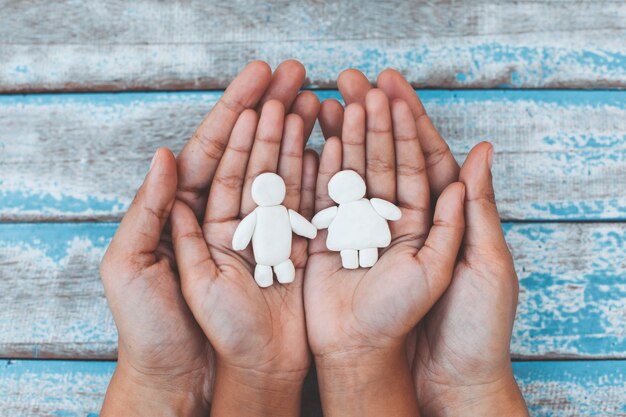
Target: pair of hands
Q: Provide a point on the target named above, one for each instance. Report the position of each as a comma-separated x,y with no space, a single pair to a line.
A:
187,307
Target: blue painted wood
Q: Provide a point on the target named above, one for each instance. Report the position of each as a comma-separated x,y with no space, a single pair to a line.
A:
186,45
76,388
571,303
559,154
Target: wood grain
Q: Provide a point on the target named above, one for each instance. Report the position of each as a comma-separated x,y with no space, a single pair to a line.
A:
571,305
193,44
76,388
559,154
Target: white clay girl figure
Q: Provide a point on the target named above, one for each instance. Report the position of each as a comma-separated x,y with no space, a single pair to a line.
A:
269,227
358,226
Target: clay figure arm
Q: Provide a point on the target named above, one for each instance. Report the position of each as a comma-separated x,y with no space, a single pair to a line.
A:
301,226
323,219
386,209
244,231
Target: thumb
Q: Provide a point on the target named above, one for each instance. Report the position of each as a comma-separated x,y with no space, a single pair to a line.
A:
193,257
441,248
140,231
483,221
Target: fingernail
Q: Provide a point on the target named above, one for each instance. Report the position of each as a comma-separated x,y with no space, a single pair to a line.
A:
154,158
490,157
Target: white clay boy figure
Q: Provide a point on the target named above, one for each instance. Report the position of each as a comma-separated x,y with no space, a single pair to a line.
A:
358,226
270,226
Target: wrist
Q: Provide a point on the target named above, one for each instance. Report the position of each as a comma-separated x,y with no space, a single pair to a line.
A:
499,397
251,392
131,393
366,381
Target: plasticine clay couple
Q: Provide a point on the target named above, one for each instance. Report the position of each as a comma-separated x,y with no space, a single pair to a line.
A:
357,227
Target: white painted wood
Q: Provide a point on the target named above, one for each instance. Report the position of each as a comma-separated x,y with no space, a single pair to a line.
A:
572,279
193,44
558,155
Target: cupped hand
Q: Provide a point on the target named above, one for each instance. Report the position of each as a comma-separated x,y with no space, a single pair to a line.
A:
161,348
461,362
256,332
164,357
366,314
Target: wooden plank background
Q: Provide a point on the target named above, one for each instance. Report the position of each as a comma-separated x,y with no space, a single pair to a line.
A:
572,278
76,389
559,155
178,45
542,80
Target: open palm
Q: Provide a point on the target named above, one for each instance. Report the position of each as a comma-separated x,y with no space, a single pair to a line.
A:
462,345
248,326
376,308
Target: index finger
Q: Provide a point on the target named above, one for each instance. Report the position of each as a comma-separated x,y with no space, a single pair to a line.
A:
199,158
441,166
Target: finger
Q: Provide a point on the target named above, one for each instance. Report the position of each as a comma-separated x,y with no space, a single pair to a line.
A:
199,158
225,194
440,251
193,258
353,86
483,221
307,106
353,139
441,165
412,182
330,164
380,170
286,82
139,233
265,151
309,177
290,162
331,118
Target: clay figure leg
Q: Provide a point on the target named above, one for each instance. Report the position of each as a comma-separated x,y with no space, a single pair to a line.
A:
263,275
368,257
285,272
350,258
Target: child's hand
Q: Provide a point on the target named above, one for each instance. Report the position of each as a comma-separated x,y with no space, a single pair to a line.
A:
462,364
358,320
258,334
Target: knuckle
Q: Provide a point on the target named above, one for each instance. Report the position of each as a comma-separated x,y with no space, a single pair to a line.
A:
436,155
377,164
408,169
212,147
232,182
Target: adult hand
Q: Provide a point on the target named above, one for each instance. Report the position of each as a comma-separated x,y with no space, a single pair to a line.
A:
165,361
358,320
461,363
258,334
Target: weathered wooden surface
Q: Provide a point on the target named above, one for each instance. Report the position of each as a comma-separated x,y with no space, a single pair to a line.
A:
572,277
146,45
559,154
73,389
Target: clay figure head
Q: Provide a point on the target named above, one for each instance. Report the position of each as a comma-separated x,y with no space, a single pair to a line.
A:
268,189
346,186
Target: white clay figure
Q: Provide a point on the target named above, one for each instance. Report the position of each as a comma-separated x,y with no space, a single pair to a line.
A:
269,227
358,226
